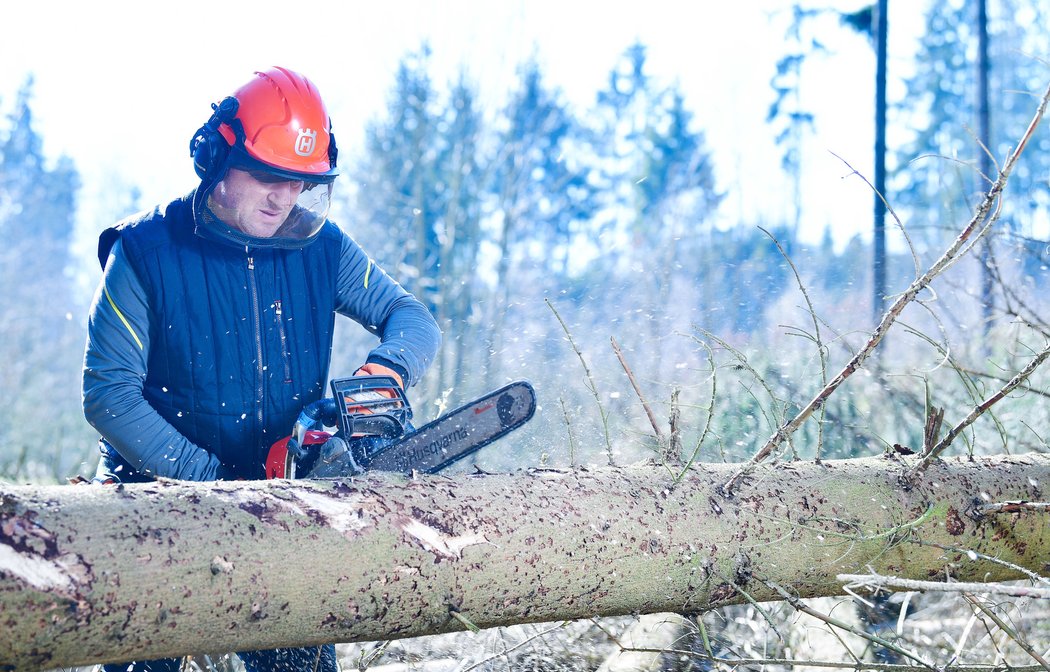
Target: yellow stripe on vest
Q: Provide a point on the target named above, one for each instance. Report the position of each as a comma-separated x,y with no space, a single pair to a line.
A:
368,273
122,318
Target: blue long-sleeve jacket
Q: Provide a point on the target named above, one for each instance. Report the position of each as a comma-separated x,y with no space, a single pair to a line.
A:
200,354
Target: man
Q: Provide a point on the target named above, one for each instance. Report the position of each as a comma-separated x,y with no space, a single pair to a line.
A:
212,326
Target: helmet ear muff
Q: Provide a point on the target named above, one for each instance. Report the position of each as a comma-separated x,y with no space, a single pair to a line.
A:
207,146
333,153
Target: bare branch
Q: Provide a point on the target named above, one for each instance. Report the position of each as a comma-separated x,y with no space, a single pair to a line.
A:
799,605
879,581
979,410
1013,507
1008,631
979,223
673,449
591,385
821,348
637,390
520,644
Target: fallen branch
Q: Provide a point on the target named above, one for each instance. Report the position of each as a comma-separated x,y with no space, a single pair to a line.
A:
879,581
1008,631
1012,507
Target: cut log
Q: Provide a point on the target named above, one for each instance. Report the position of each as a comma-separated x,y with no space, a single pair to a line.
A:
105,574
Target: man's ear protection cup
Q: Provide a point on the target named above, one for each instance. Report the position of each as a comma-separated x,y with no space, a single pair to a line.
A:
207,146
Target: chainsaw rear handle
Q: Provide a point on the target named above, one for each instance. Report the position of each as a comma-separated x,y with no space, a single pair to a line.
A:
319,414
361,400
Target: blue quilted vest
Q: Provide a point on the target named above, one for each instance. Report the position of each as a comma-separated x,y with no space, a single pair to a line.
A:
240,337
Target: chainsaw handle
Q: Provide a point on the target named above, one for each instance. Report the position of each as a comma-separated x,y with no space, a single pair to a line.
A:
382,425
321,413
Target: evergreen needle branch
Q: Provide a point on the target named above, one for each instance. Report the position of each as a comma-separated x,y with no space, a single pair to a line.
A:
894,533
591,385
947,259
879,581
1004,379
1007,630
979,410
710,410
637,389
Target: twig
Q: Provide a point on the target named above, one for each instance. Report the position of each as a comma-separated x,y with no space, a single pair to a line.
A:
464,620
799,605
889,209
1003,379
503,653
855,580
710,414
673,449
1012,507
754,603
1008,631
637,389
974,555
568,430
790,663
742,362
821,349
947,259
934,419
978,411
592,386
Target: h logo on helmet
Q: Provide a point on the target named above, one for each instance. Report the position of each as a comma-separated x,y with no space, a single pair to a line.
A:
304,144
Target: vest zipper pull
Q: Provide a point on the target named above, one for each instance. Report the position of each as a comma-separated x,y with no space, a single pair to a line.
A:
251,264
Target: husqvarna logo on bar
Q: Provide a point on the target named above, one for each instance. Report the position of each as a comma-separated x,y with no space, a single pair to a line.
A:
304,144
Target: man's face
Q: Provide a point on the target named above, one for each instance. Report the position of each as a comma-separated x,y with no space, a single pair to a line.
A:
253,202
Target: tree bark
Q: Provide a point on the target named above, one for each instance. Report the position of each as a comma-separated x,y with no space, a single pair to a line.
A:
104,574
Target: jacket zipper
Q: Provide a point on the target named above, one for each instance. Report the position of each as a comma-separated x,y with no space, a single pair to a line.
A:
285,355
260,369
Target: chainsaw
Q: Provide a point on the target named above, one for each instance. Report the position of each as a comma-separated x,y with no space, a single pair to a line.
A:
372,423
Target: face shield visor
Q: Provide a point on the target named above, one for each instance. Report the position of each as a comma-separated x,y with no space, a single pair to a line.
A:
254,203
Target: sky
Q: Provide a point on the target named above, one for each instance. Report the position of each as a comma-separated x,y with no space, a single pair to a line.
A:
120,86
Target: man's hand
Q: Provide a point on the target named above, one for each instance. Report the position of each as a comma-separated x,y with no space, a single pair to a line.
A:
373,369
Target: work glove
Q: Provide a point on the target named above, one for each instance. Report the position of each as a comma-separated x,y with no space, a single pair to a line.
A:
373,369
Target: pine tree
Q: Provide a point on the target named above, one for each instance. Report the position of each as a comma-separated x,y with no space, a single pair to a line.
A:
41,345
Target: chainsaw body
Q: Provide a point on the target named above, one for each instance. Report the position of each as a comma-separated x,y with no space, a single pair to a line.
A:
367,412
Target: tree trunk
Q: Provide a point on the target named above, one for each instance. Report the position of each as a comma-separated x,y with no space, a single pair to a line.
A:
96,573
878,244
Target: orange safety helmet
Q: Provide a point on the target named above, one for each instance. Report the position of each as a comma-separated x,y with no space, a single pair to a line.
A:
277,122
